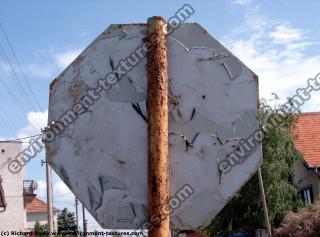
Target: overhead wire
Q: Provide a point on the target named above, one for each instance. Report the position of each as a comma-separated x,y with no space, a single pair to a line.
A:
13,96
25,94
16,79
20,139
9,119
39,196
20,67
6,125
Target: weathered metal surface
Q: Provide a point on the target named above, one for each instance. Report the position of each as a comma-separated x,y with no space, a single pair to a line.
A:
102,154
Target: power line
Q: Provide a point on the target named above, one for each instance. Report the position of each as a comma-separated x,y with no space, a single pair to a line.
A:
41,197
69,202
15,100
22,138
7,116
6,60
63,194
16,79
20,68
13,96
6,125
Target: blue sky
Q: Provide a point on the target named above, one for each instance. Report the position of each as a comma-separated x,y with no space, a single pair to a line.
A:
279,40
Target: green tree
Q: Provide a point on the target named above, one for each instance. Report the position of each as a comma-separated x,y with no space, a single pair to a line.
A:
40,230
66,223
245,211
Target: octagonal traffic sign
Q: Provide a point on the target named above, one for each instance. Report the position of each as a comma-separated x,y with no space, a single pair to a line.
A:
97,140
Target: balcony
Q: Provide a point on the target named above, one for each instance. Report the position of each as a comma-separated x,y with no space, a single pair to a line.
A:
29,186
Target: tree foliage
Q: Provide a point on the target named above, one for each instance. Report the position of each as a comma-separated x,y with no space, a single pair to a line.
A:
245,211
40,230
66,222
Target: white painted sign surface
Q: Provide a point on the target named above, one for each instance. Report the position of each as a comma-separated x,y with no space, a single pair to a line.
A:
102,154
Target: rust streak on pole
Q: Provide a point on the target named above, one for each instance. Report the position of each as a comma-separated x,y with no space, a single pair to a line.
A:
158,164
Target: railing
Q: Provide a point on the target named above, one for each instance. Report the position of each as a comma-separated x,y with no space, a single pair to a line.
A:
28,187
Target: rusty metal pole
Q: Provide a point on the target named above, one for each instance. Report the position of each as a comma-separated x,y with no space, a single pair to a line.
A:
158,163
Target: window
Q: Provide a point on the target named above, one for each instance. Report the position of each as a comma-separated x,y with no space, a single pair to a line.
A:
307,194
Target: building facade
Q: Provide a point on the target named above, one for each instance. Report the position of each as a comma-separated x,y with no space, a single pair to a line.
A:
20,209
307,172
12,218
36,211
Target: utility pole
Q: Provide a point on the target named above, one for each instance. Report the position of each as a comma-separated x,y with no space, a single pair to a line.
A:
84,221
77,217
264,202
49,197
157,97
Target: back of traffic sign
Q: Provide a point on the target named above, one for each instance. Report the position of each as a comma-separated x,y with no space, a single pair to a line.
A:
97,141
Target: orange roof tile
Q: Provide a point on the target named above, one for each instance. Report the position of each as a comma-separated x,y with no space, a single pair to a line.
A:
308,137
36,205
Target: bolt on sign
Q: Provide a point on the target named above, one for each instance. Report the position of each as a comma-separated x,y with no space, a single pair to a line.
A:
98,122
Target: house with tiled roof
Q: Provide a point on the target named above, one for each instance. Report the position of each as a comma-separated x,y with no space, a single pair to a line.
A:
307,142
36,211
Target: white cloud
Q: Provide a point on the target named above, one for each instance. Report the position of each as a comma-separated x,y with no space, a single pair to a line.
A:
284,34
48,63
242,2
41,190
63,59
35,121
39,70
62,193
42,64
276,52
